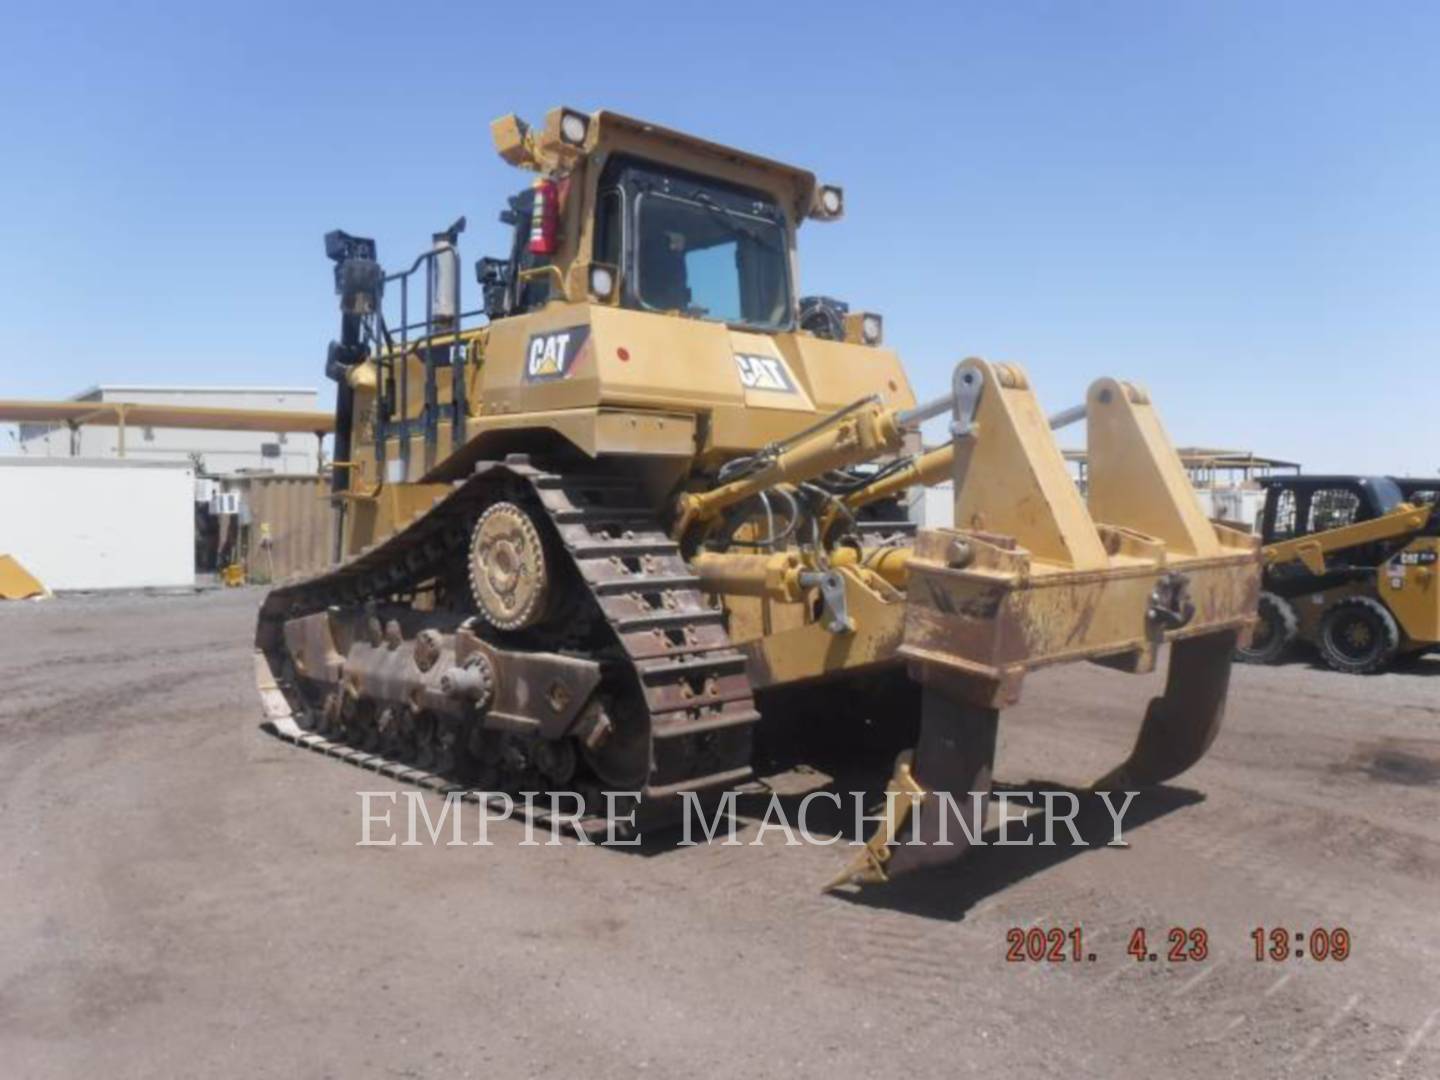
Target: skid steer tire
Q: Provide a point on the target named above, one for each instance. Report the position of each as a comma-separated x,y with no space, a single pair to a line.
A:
1274,633
1358,636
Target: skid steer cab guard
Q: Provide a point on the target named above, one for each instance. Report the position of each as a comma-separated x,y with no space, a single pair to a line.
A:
1032,574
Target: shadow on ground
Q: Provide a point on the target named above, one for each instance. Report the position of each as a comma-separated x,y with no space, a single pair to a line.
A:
947,892
1425,665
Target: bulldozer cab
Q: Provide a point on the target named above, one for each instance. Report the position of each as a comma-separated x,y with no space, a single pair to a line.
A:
664,222
688,244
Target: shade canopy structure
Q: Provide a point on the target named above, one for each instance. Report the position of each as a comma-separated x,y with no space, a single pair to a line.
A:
123,414
1203,463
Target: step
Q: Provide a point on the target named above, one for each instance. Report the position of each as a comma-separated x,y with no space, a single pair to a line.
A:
590,549
641,583
657,620
661,668
718,722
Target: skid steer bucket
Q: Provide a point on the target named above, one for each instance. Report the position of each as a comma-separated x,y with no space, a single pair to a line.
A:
1033,574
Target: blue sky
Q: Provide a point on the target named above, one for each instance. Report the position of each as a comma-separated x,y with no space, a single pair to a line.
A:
1235,204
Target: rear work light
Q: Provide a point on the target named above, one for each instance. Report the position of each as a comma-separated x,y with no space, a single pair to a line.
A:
544,218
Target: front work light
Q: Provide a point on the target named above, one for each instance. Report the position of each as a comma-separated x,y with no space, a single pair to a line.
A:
573,127
864,328
602,282
828,203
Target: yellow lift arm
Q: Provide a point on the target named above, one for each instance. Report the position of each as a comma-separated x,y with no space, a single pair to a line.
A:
1310,551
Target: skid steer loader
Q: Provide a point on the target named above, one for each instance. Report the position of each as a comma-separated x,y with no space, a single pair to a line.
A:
1350,568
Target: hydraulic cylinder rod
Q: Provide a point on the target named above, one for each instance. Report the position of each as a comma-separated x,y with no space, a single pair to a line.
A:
858,435
776,576
782,576
933,466
929,468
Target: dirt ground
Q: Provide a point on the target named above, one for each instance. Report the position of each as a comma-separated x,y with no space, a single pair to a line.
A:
183,896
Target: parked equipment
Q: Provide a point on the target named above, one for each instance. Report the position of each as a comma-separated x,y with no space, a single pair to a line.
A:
1350,567
17,583
1419,491
638,519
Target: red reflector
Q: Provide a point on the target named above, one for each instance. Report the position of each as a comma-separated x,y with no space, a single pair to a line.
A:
623,353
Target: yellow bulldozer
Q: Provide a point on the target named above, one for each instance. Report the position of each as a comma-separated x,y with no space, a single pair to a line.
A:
610,530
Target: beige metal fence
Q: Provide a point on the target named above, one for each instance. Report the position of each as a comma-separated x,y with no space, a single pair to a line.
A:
295,512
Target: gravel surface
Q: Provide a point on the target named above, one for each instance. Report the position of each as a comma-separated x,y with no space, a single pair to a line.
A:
184,897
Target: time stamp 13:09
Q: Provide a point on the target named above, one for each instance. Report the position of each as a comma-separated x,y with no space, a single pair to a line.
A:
1177,945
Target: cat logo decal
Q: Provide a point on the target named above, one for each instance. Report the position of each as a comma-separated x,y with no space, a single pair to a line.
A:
551,355
764,373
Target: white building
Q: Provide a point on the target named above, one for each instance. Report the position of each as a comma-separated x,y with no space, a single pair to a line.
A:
933,507
220,453
80,524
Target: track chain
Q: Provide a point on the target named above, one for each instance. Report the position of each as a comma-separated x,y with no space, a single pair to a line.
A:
682,669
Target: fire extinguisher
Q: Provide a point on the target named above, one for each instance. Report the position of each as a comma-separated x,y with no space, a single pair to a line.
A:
544,217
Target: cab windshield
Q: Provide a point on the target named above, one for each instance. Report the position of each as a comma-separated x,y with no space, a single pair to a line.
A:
698,248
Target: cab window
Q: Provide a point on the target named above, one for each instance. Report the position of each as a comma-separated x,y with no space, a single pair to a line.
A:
609,227
534,291
701,257
1332,508
1282,515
